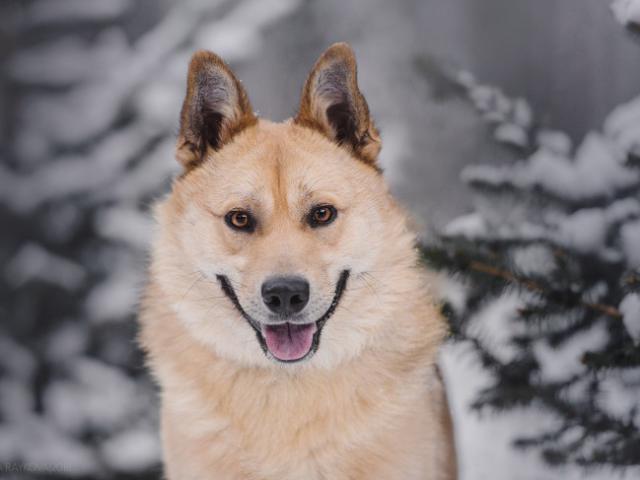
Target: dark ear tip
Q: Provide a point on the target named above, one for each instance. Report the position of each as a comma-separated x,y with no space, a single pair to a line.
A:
202,59
339,50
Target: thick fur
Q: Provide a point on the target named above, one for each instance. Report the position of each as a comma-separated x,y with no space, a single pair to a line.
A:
369,403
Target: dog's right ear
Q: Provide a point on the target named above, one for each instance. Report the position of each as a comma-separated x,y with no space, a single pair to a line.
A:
215,109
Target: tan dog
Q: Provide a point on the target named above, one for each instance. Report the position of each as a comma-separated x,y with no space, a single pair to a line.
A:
287,318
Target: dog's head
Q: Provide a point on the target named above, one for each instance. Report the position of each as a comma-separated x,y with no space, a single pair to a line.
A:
280,242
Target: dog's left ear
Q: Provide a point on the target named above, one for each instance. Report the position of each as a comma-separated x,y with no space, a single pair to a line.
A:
332,103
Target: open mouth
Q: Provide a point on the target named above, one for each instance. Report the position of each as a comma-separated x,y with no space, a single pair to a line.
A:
288,342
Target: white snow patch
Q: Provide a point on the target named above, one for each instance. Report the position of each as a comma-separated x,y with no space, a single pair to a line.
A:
125,224
596,171
630,239
451,290
237,35
491,102
596,293
511,134
484,442
156,99
585,230
618,393
32,262
397,144
96,397
40,447
132,451
69,60
469,226
554,141
522,114
630,309
74,174
146,178
47,11
561,362
626,11
116,297
533,259
494,325
623,125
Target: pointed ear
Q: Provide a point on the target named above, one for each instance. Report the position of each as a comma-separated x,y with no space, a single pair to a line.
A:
332,103
215,108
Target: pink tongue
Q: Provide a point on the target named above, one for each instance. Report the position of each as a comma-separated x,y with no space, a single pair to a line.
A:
289,341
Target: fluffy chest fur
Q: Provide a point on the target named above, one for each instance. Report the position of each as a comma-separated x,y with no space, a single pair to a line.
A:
382,415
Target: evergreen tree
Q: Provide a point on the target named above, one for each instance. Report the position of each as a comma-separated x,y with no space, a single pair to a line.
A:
550,266
96,88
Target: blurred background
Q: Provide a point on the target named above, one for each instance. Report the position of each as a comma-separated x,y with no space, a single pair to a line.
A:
90,93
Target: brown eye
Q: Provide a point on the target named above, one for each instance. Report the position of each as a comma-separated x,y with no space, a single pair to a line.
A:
322,215
240,220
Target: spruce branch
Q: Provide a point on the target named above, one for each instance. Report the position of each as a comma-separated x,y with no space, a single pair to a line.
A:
536,287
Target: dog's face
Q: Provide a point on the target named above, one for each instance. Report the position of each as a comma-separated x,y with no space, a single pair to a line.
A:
280,241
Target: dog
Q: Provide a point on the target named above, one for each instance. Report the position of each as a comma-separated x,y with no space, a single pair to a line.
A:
286,317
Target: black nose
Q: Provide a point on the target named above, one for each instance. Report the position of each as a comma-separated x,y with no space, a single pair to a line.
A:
285,295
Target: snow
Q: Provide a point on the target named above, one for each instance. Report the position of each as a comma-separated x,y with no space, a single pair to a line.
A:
494,326
64,120
237,36
561,362
132,451
146,178
585,202
522,114
630,237
623,125
37,445
470,226
630,309
626,11
74,174
33,262
69,60
484,439
115,298
452,291
596,171
64,11
125,224
618,394
513,118
96,143
584,230
511,134
491,101
554,141
533,260
96,397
